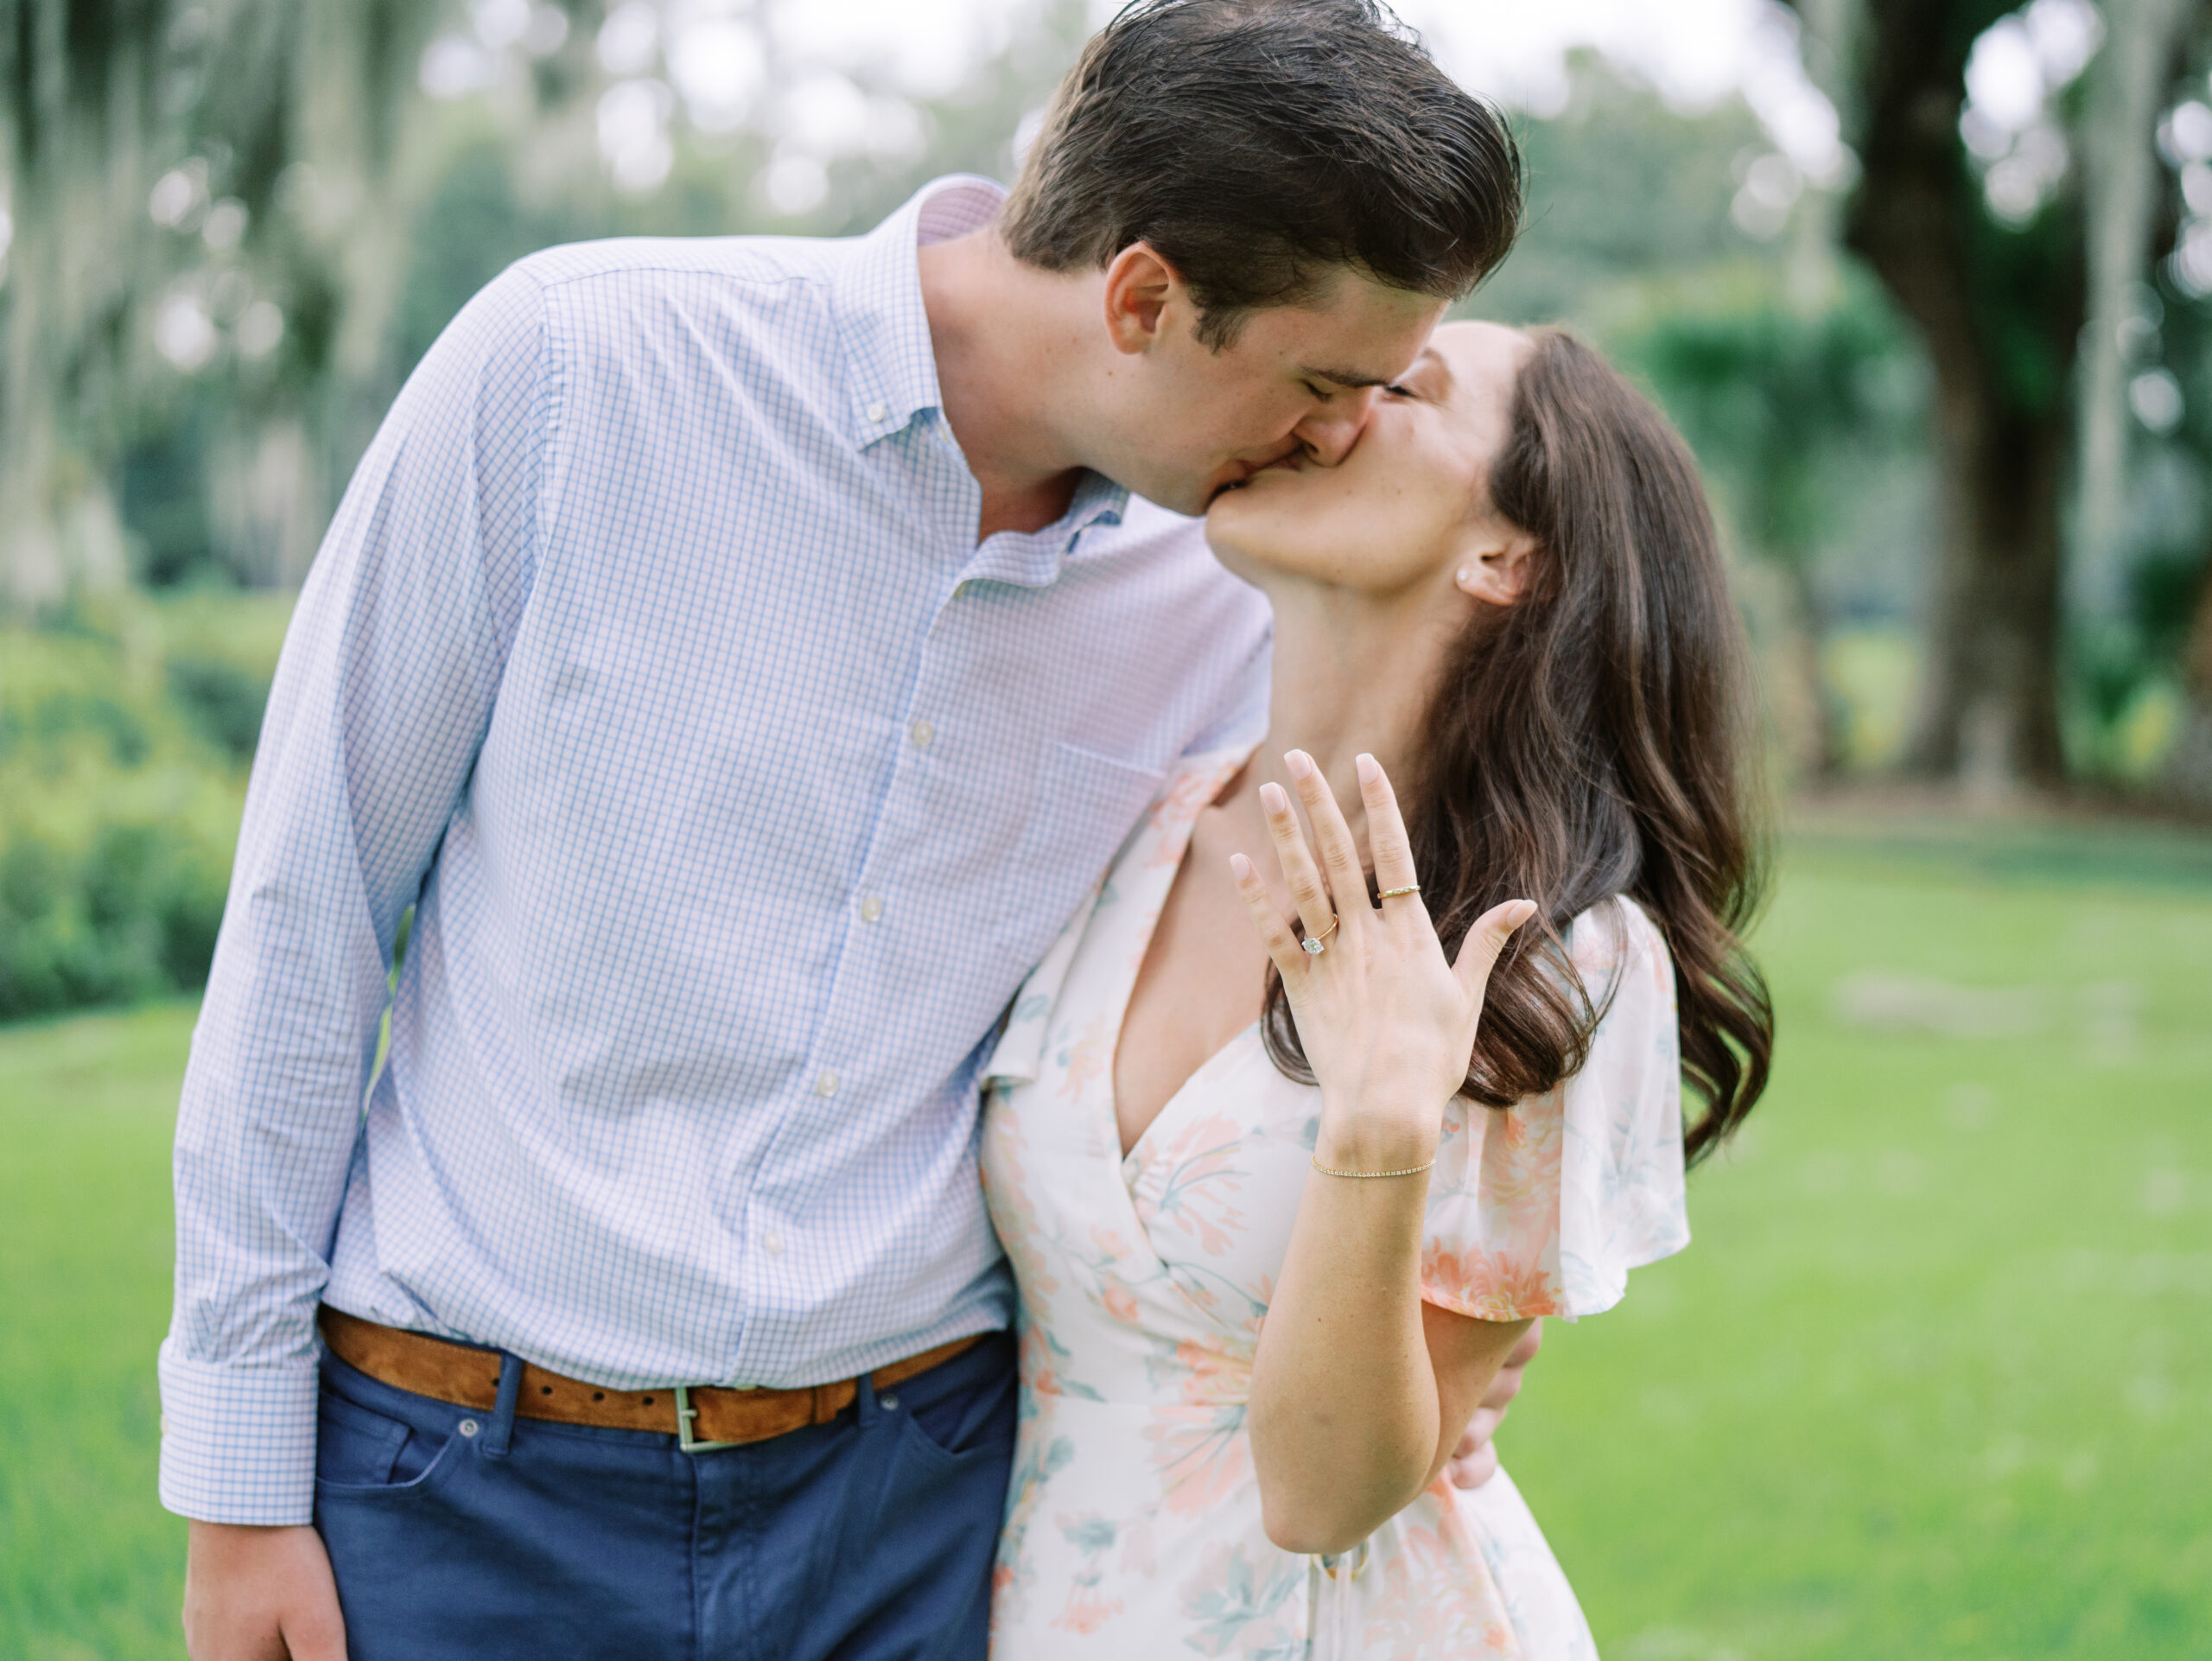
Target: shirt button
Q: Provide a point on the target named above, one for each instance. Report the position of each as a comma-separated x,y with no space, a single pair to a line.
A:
772,1243
923,734
876,411
871,909
826,1085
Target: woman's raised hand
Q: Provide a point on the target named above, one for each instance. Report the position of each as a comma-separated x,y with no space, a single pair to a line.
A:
1388,1025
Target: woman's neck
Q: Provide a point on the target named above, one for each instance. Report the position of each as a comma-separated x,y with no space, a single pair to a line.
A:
1353,673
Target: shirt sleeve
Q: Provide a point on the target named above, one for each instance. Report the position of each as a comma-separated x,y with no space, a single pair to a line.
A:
1543,1208
382,698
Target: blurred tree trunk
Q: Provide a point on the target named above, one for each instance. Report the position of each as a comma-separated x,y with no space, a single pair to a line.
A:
2000,312
2127,85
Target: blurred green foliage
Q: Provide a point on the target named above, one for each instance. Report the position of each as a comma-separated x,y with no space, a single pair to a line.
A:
1776,391
124,736
125,726
1791,399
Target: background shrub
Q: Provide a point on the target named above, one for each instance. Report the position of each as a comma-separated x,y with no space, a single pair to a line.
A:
126,739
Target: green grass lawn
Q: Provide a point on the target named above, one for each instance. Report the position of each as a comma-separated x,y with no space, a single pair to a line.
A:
1934,1381
90,1565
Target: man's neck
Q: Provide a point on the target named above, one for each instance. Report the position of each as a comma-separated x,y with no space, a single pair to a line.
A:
1004,336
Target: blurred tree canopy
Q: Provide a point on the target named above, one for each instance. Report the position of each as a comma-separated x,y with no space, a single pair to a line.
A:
230,227
237,224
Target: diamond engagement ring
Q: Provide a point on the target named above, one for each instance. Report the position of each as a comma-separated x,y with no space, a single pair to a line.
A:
1316,944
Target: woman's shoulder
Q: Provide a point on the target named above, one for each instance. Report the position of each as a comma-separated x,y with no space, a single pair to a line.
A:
1615,937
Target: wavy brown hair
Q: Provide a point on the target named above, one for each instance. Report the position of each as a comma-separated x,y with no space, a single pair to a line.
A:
1594,740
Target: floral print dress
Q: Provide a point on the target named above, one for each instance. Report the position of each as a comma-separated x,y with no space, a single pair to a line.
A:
1132,1526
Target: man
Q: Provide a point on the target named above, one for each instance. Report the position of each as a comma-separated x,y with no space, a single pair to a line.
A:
742,654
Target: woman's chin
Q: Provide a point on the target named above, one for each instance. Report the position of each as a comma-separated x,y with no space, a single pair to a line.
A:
1239,543
1238,504
1258,527
1229,516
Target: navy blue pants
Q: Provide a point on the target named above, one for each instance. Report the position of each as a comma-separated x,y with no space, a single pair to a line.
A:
456,1532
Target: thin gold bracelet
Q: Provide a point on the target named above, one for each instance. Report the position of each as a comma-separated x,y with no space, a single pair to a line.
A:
1415,1171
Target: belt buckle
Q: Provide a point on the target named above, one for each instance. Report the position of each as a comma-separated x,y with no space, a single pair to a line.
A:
685,1413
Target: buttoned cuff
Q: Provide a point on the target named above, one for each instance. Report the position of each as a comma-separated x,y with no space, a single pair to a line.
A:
237,1442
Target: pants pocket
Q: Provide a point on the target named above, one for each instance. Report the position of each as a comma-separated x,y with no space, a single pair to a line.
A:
359,1450
354,1448
964,1424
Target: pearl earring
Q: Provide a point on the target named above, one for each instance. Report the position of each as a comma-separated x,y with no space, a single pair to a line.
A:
1466,576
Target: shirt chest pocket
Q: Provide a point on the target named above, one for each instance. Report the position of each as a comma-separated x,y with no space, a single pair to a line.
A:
1084,806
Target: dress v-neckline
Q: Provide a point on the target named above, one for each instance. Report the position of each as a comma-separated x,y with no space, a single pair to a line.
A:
1131,1157
1132,1162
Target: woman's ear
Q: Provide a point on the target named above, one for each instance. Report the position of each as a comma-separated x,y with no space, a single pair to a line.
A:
1497,570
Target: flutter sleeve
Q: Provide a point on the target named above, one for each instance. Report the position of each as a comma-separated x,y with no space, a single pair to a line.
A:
1543,1208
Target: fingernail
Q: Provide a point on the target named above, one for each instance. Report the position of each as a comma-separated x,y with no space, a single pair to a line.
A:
1272,799
1369,772
1239,867
1524,912
1300,763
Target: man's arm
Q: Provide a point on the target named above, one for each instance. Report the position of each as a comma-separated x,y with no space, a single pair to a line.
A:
381,701
1474,1461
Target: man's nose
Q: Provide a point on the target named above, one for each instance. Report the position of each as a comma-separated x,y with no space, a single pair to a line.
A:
1333,428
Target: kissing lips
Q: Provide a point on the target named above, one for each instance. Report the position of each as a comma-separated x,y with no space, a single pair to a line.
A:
1243,476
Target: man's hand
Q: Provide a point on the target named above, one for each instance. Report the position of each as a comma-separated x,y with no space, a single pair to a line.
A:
1474,1461
260,1594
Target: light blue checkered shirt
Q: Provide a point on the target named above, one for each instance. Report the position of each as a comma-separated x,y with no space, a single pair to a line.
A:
652,659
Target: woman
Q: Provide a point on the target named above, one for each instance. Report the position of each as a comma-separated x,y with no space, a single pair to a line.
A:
1401,1104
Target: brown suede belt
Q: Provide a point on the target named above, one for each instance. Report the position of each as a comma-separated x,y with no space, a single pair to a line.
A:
467,1377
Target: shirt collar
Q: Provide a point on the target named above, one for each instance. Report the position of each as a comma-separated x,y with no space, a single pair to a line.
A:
877,294
892,370
1033,558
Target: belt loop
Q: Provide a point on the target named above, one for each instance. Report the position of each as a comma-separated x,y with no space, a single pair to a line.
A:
503,1412
864,1406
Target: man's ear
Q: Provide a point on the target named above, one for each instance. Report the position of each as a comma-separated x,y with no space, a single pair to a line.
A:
1139,286
1497,570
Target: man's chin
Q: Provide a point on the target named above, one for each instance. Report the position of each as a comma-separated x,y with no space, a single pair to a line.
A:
1184,494
1189,497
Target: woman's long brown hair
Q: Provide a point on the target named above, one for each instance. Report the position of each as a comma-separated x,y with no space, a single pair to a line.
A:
1595,739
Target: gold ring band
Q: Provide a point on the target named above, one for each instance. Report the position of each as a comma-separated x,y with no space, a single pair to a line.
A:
1314,943
1392,894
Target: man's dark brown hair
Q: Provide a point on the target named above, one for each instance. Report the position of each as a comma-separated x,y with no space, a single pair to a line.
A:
1259,146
